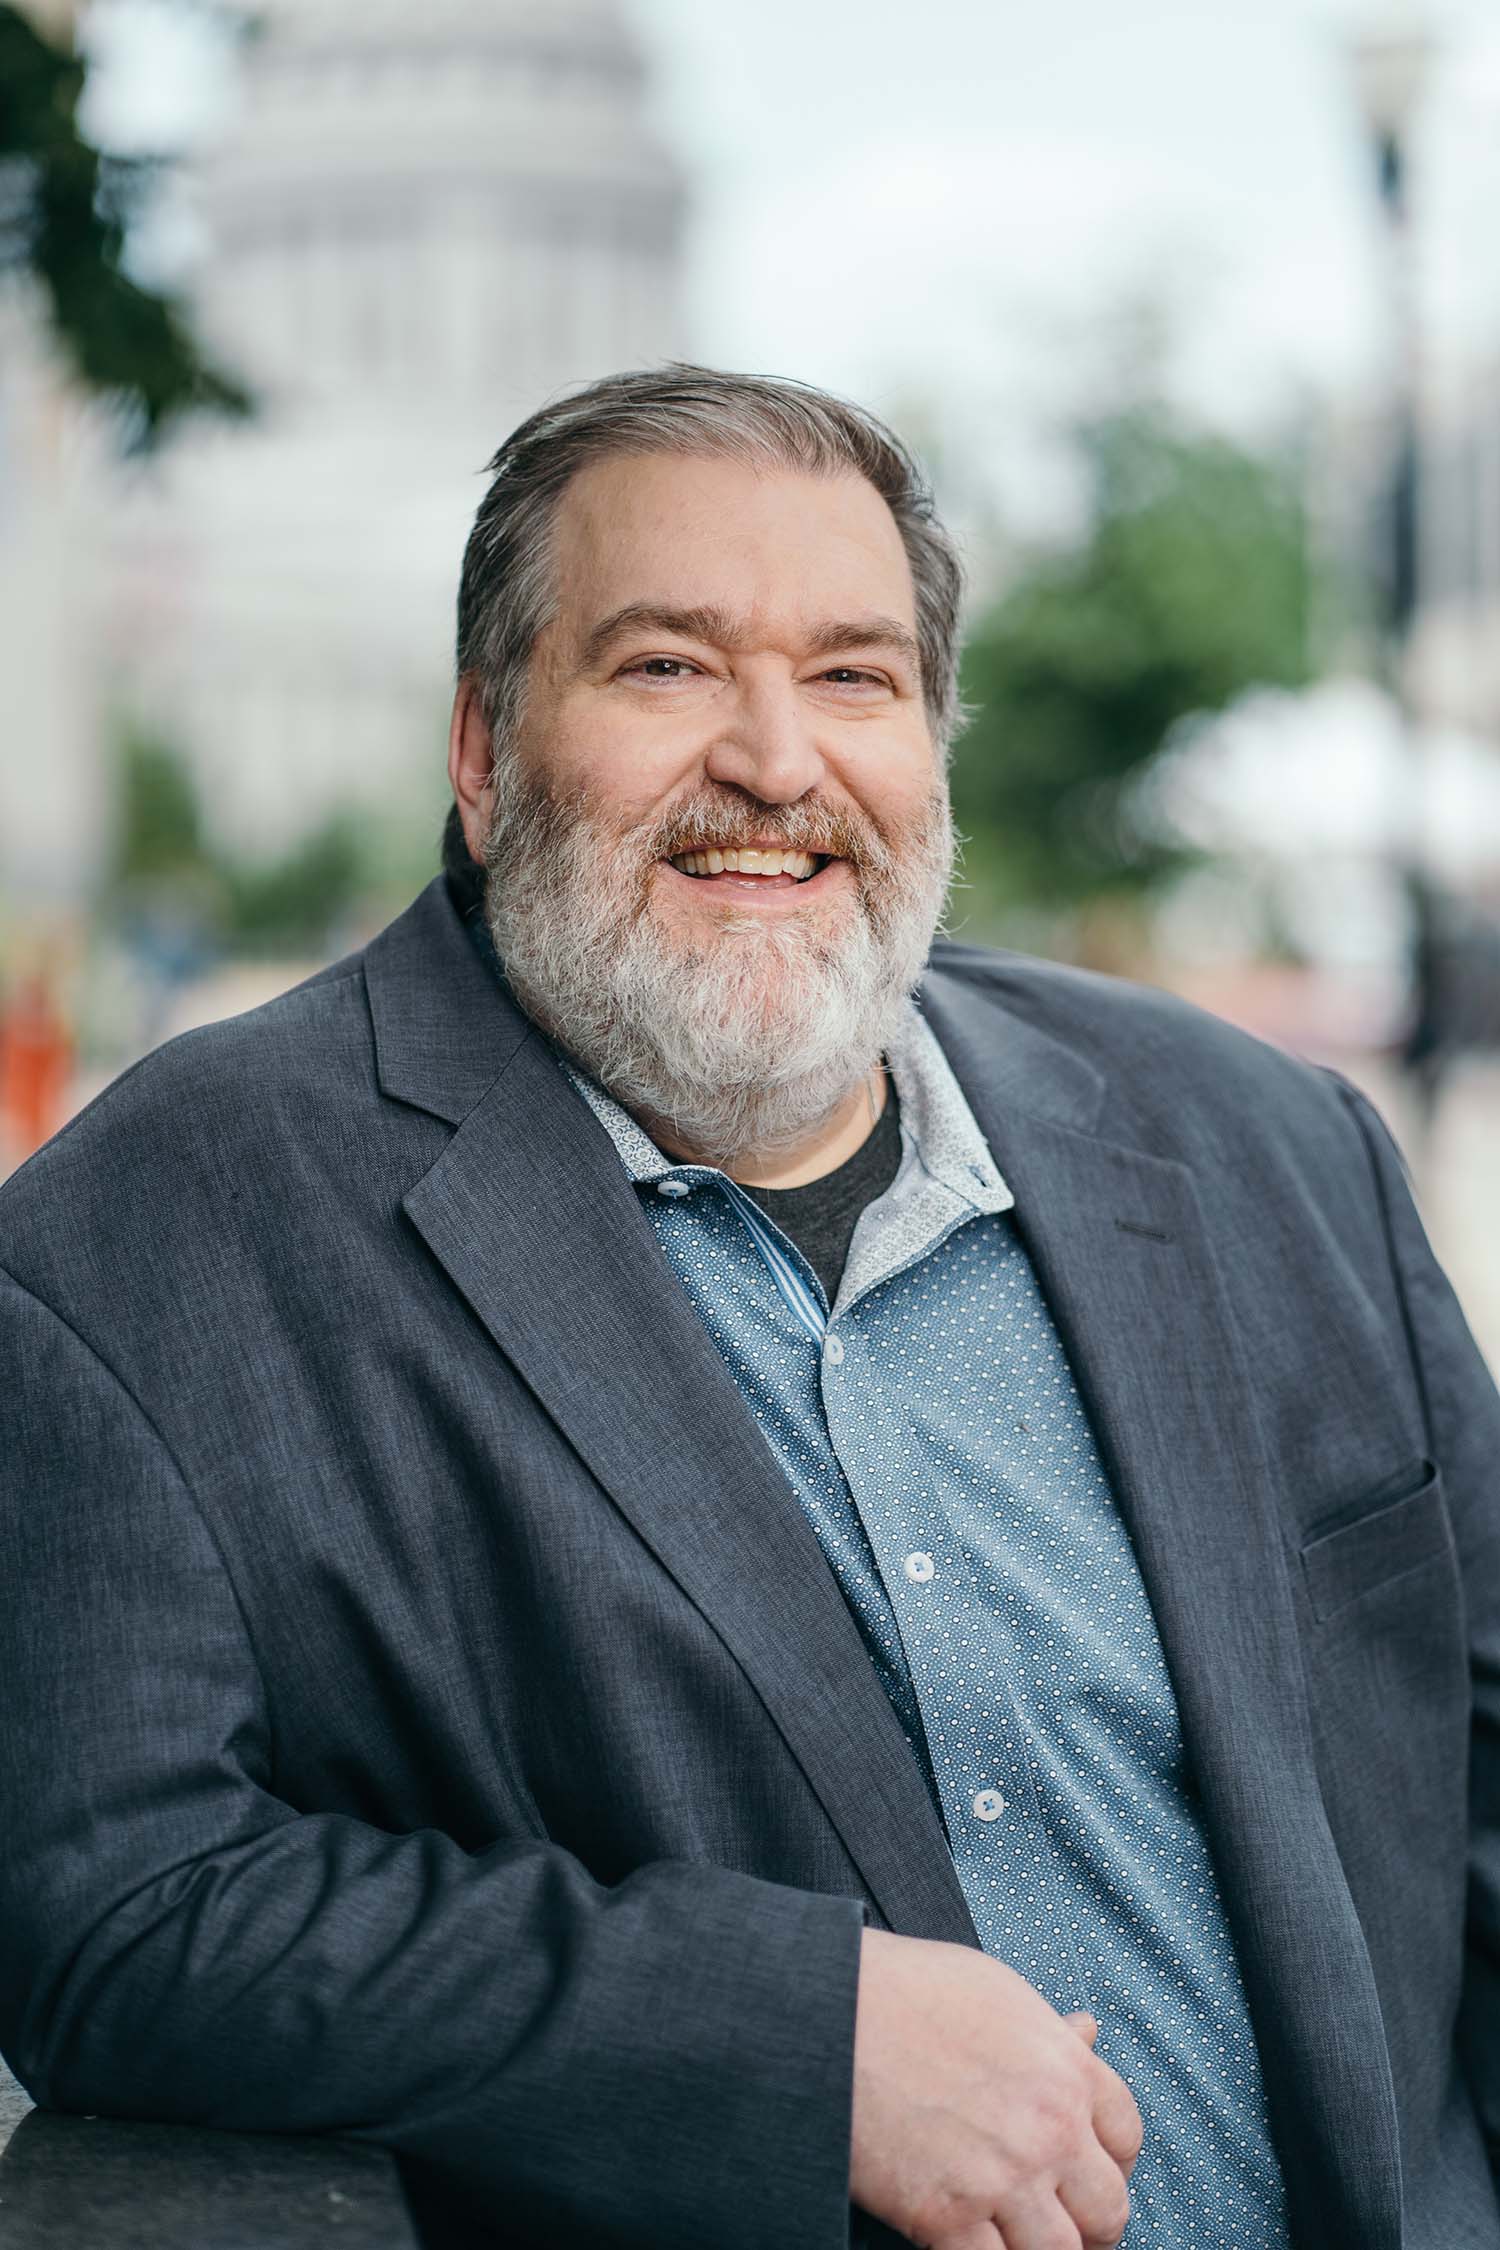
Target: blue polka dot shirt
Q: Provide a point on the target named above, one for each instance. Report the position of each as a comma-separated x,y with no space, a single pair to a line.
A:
930,1427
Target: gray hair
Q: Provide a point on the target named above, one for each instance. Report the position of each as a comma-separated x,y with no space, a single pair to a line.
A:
507,591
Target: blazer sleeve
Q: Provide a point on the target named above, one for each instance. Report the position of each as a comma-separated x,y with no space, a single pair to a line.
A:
1463,1419
665,2062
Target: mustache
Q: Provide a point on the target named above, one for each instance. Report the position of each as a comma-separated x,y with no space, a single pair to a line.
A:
709,817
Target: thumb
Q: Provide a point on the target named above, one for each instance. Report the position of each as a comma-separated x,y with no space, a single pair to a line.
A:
1085,2026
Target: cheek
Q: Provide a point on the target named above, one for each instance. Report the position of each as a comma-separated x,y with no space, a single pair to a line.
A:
626,764
903,796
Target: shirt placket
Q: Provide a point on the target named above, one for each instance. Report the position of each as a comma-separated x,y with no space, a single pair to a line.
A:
993,1804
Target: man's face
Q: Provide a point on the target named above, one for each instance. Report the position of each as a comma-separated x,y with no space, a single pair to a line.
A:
731,669
727,646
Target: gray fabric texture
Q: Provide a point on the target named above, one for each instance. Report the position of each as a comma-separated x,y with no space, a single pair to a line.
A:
405,1734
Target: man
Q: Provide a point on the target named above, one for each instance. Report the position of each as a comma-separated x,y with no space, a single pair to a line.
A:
592,1497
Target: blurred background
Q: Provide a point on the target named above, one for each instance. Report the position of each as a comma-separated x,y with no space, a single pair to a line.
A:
1193,313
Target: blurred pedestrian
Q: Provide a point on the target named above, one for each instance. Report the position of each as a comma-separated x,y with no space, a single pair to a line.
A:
36,1064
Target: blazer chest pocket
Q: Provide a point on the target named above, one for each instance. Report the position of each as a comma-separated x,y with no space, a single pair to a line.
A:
1393,1537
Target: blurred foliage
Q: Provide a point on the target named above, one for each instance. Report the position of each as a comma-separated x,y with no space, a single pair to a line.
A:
296,903
167,878
159,838
1189,584
65,212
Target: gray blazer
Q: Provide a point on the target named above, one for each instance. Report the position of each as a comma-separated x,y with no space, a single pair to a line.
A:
428,1715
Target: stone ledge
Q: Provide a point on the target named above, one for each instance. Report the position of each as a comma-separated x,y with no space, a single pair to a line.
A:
82,2183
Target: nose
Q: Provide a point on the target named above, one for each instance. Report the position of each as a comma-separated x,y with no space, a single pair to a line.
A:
767,749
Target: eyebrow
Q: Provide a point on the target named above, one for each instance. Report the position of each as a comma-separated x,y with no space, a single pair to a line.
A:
720,630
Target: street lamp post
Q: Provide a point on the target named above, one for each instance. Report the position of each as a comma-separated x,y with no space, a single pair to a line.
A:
1392,55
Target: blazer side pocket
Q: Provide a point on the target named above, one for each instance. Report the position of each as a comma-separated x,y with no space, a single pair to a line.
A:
1341,1565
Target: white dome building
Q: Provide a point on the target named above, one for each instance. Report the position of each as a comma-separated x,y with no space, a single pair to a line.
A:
424,221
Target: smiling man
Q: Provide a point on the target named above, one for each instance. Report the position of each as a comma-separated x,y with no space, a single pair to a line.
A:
715,1600
719,852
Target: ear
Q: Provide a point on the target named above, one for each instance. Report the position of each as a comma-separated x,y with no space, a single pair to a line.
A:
470,764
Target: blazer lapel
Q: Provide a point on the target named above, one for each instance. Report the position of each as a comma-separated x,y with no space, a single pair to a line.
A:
1128,1268
532,1217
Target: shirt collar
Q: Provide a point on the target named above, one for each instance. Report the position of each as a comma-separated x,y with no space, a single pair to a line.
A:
937,1125
938,1122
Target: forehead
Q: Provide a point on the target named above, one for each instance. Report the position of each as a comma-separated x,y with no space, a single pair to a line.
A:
681,531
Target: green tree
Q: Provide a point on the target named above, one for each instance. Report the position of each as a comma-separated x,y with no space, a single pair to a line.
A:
159,831
1189,585
166,872
293,904
65,213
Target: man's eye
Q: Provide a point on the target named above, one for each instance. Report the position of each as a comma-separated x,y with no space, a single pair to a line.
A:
661,668
849,675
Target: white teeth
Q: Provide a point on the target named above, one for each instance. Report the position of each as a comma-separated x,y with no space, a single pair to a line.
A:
749,861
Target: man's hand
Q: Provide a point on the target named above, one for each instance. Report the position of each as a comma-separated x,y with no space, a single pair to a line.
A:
983,2120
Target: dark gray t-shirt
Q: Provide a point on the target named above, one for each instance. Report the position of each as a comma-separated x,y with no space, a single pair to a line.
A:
821,1217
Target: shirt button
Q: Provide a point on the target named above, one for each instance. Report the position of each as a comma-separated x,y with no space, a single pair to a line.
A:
988,1805
919,1568
676,1189
833,1351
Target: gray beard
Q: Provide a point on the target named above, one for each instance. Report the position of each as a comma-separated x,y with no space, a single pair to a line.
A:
750,1037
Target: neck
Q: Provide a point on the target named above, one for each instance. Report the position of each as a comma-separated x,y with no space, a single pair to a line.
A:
833,1142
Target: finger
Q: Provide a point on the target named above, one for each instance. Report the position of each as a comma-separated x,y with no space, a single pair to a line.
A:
1084,2024
1096,2199
1117,2121
1036,2220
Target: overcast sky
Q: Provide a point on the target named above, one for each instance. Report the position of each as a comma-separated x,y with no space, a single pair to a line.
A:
933,204
902,196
